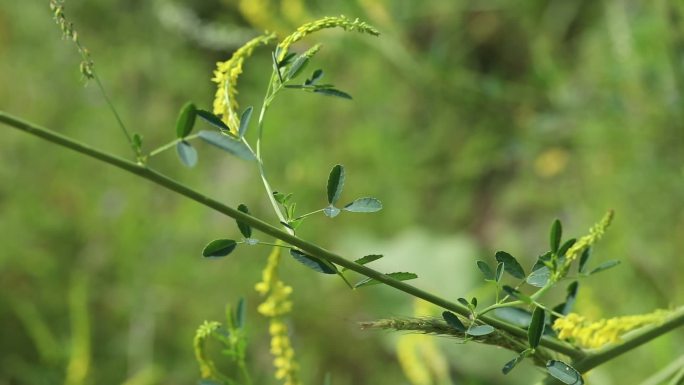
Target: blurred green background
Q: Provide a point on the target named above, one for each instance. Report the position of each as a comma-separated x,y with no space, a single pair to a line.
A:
476,122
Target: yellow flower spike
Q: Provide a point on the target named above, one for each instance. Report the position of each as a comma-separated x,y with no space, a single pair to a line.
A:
275,306
592,335
324,23
226,76
595,234
207,368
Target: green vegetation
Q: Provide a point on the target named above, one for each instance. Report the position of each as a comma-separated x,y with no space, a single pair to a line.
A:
504,117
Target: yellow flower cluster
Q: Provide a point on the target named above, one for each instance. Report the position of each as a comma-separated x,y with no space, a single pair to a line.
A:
326,22
591,335
595,233
275,306
226,76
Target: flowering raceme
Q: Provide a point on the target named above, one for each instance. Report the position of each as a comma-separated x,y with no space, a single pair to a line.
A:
592,335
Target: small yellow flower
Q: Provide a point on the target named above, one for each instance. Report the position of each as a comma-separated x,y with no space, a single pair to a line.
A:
576,329
595,233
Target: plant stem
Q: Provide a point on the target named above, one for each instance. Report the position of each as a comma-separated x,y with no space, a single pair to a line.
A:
136,151
312,249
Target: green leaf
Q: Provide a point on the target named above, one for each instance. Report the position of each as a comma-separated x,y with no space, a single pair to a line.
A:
511,265
244,121
315,77
584,259
536,329
570,298
287,59
300,62
281,198
464,302
564,372
333,92
486,270
363,205
227,144
186,153
499,271
212,119
331,211
473,302
186,120
539,277
316,264
240,313
480,330
335,183
566,246
543,260
137,141
604,266
555,235
517,294
510,365
453,321
399,276
366,259
219,248
245,229
514,315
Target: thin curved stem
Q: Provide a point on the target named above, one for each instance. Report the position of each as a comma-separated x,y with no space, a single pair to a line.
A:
308,247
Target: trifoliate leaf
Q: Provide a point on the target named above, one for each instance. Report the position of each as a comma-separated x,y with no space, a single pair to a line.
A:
555,235
480,330
316,264
245,229
219,248
331,211
186,120
534,333
244,121
511,265
399,276
186,153
452,320
486,270
227,144
564,372
335,183
364,205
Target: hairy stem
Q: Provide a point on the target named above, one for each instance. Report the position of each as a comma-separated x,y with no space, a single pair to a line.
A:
308,247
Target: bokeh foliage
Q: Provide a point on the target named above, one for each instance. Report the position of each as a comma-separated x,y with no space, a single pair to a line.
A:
475,122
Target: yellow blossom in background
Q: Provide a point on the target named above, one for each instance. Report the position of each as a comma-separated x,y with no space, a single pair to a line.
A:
578,330
419,357
274,307
226,76
551,162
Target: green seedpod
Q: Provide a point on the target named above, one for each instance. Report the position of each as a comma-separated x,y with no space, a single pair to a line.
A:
564,372
486,270
511,265
335,183
245,229
555,235
536,329
186,153
363,205
399,276
316,264
219,248
186,120
452,320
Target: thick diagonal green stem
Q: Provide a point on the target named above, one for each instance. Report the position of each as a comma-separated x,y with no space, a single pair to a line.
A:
266,228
